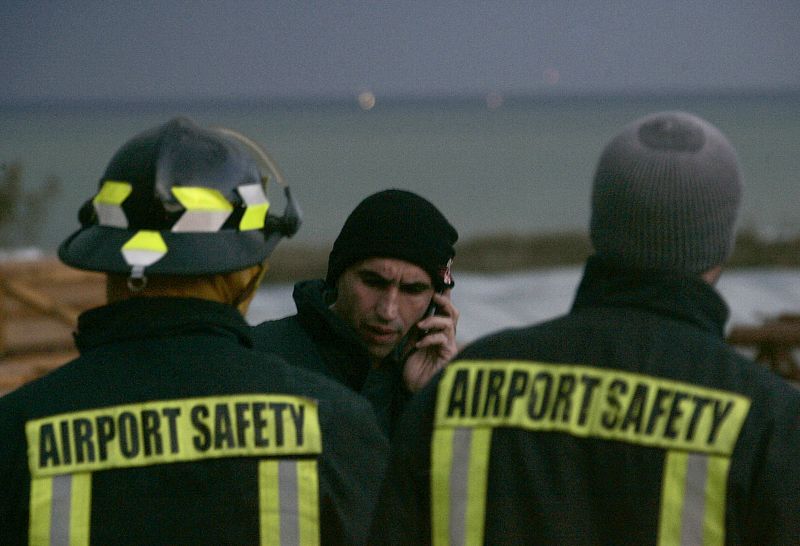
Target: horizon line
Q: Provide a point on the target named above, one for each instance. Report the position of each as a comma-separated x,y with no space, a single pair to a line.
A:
391,99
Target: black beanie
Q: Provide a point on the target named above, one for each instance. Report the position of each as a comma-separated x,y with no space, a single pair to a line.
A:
395,224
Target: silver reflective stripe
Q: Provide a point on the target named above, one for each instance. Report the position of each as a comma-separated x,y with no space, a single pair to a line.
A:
201,221
111,215
290,521
61,510
694,500
459,482
253,194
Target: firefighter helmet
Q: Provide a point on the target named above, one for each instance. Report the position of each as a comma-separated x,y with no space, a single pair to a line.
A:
180,199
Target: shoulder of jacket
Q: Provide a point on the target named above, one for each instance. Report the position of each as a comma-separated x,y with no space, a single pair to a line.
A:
278,329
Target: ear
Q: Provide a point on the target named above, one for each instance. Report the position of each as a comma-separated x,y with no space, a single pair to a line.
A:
251,280
711,276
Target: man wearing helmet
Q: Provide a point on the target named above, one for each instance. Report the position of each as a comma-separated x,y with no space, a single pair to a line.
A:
169,428
381,322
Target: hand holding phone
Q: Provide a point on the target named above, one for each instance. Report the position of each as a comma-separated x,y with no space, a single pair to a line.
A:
429,350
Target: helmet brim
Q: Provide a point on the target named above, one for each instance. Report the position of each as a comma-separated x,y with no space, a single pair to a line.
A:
99,248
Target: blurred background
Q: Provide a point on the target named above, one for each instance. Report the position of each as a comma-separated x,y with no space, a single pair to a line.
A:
495,111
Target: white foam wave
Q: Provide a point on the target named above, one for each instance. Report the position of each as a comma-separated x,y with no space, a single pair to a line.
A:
491,302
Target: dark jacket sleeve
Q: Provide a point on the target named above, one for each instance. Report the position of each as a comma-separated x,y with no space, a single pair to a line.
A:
351,469
402,515
14,477
775,498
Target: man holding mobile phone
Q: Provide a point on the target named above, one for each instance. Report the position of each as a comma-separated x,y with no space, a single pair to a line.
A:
381,322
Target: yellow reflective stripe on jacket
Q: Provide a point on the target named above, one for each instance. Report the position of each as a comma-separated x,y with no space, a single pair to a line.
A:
60,509
60,505
459,474
693,499
308,501
591,402
289,502
698,427
171,431
64,449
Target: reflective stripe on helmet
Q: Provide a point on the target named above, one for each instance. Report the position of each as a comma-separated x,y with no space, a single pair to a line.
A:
142,250
108,203
206,209
203,190
257,206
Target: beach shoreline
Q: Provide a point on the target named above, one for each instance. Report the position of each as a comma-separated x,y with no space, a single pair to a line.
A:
42,298
510,252
496,253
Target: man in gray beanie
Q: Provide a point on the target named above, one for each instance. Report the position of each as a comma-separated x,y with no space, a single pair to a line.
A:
628,420
381,322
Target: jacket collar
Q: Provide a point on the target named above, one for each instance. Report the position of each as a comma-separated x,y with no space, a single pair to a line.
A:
313,306
142,318
678,296
313,300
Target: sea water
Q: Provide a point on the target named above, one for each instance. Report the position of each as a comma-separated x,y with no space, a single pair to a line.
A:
488,303
525,166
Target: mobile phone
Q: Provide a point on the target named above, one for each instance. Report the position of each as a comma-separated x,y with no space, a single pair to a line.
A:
429,312
447,280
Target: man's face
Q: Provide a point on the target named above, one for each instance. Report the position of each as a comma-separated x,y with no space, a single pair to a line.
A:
381,299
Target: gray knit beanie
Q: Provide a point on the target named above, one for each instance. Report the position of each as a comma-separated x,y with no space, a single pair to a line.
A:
666,195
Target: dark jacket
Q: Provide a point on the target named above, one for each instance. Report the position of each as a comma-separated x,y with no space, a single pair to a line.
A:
318,340
187,428
626,421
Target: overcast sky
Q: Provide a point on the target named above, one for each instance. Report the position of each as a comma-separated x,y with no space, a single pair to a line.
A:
177,49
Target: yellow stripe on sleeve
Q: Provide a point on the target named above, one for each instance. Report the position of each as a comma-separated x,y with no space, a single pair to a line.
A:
81,509
41,503
672,497
476,488
269,502
441,461
254,216
716,488
308,502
